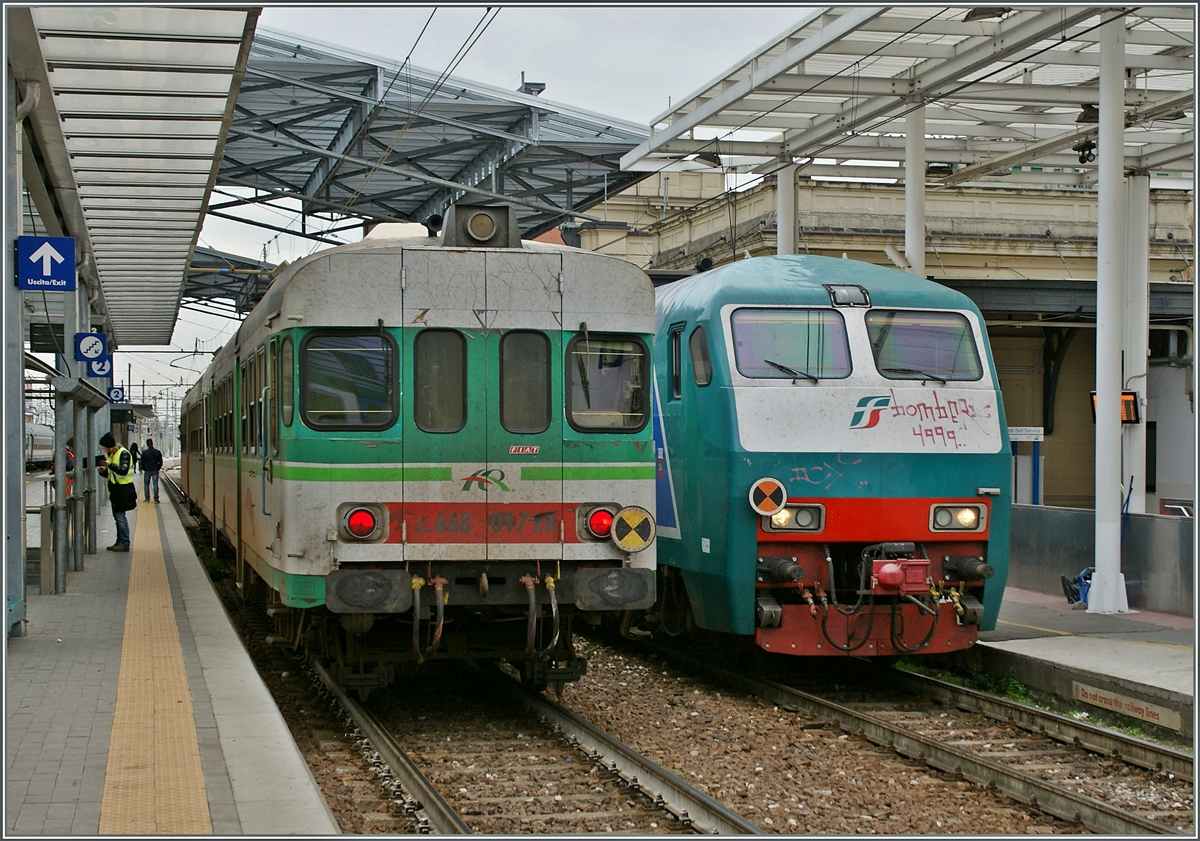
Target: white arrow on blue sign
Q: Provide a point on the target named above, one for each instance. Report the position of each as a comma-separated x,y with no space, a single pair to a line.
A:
101,367
116,395
46,264
90,346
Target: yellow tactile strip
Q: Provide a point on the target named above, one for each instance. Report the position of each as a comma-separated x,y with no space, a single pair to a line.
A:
154,784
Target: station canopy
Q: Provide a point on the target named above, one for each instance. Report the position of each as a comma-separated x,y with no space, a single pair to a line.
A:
151,117
356,138
1010,96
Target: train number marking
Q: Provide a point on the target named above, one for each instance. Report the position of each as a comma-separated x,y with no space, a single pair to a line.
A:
514,523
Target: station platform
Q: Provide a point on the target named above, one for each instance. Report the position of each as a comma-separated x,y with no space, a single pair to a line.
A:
1138,664
132,708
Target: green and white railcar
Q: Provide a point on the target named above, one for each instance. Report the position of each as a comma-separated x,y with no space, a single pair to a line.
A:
436,447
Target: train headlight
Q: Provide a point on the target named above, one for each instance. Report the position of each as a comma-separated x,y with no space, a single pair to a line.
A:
796,518
481,226
957,518
360,523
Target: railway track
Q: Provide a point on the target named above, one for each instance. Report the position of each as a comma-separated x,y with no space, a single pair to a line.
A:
1108,782
500,761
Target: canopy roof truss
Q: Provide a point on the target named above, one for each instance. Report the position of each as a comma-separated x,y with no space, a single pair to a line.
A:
1004,91
353,137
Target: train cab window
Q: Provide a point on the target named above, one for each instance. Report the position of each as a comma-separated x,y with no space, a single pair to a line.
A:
287,405
923,345
701,363
676,361
347,380
440,381
525,382
790,344
607,380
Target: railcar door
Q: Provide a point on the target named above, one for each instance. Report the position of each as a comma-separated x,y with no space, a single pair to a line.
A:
523,477
445,429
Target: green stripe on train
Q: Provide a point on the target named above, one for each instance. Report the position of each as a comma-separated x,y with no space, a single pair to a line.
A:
361,473
597,473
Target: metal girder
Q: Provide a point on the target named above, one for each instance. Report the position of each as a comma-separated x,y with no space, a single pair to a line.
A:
351,135
1008,92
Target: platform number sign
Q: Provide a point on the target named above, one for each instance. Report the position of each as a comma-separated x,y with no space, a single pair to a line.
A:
116,395
101,368
90,346
46,264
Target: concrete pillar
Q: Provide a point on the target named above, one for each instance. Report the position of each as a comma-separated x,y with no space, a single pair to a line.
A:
14,374
1108,593
914,191
1137,333
785,209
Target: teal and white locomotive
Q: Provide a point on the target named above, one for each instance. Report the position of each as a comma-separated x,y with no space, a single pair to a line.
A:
428,446
834,471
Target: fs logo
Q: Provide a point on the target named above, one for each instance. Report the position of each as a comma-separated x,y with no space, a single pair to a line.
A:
866,413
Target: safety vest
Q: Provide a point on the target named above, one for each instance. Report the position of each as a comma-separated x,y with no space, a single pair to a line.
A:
115,478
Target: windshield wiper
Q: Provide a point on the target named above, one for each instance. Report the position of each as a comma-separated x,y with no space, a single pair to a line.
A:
791,371
925,375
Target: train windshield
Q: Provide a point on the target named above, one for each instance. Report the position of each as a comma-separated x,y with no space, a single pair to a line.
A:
347,380
915,345
606,383
788,344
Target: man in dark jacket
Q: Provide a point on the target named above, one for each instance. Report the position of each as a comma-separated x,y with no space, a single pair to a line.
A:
152,462
118,470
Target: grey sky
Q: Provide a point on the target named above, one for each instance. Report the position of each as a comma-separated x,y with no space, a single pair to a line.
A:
622,61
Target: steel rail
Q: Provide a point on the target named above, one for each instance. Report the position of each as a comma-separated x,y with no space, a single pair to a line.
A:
439,814
1054,799
689,805
1058,727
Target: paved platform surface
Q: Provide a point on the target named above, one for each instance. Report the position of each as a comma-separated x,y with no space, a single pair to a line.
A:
62,697
1147,656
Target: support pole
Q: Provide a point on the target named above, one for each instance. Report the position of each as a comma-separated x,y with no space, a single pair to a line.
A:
914,191
785,209
1137,332
78,546
62,423
92,478
1107,594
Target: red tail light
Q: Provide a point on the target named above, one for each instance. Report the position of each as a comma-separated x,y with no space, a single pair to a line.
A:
599,522
361,523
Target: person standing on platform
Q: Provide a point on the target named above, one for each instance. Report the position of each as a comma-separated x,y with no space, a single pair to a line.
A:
152,462
122,493
136,453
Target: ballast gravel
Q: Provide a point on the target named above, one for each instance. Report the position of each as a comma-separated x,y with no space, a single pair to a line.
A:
783,770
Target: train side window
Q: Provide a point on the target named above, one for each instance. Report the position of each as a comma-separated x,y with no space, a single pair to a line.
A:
287,386
923,345
790,344
525,381
701,363
676,360
347,380
607,381
440,381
